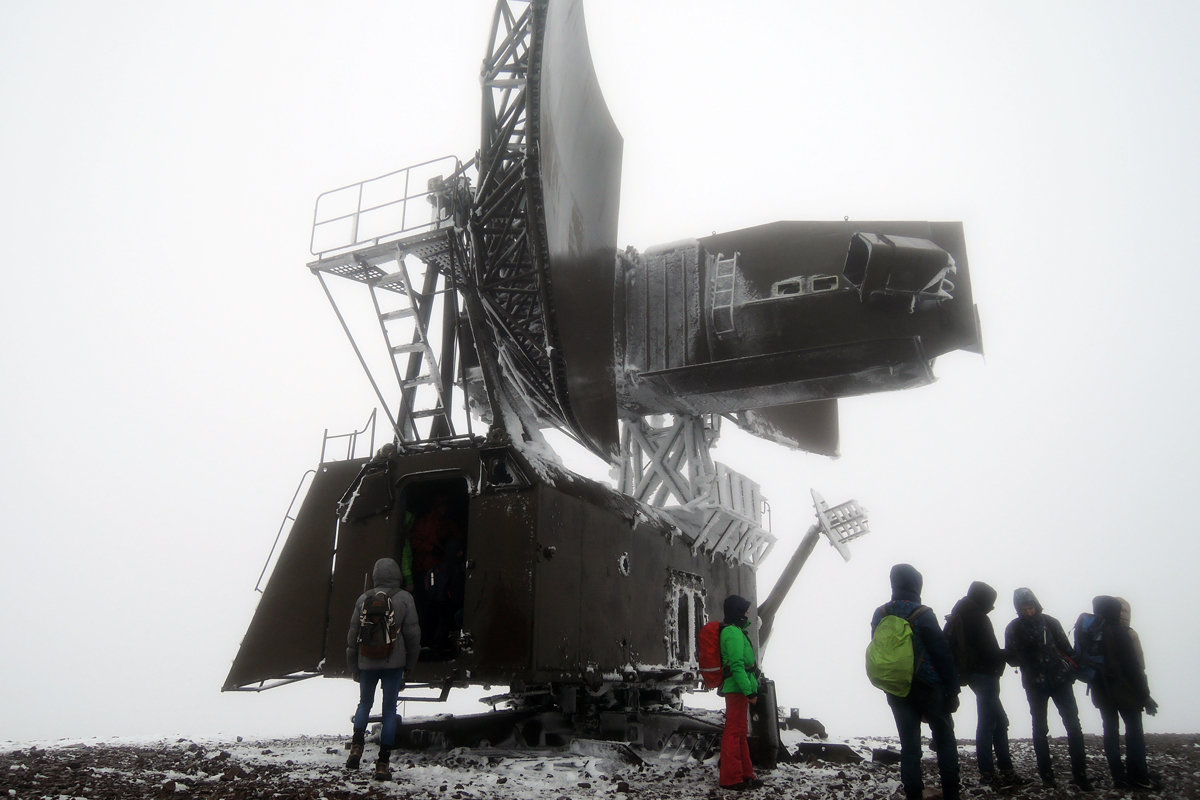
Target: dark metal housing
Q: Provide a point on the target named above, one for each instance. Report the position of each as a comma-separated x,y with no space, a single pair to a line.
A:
567,581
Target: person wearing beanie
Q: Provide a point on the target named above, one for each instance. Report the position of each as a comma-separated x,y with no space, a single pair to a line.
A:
1036,643
933,696
741,691
981,663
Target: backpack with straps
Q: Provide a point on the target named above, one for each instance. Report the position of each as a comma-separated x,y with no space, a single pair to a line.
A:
377,629
1089,647
956,636
708,654
891,655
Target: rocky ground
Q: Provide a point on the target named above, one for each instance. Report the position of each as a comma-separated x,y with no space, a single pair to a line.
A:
312,767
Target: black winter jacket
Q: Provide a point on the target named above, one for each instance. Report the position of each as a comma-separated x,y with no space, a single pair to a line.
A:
983,653
1122,684
1039,646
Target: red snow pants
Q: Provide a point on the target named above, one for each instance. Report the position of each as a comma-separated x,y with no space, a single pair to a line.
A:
735,750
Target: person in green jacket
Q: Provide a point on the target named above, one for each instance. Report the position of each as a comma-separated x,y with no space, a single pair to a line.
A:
741,691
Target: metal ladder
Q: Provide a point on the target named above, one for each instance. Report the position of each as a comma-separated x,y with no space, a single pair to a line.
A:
404,324
723,283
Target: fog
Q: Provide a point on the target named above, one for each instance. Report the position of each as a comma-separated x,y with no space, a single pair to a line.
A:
171,366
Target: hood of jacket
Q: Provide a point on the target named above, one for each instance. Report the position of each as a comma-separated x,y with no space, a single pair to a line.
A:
735,609
1025,597
1107,608
1126,612
982,596
906,583
386,574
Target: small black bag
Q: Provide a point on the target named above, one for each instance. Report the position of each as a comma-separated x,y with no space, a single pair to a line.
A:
377,627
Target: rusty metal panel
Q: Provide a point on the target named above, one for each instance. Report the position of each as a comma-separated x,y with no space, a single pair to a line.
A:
498,612
648,602
580,176
287,632
660,316
561,587
607,585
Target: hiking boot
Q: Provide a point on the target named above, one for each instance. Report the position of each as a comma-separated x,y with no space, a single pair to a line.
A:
1082,783
1145,785
356,748
1049,782
383,769
1010,778
988,779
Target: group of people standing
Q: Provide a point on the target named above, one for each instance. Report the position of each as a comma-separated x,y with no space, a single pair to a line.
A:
967,653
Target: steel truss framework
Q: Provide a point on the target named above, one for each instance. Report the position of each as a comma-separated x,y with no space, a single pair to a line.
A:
498,266
509,258
665,462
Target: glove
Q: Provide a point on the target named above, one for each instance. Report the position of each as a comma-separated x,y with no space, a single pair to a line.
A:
402,685
952,704
354,676
1151,706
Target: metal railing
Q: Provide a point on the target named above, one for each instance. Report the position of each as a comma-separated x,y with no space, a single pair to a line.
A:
289,516
352,440
376,210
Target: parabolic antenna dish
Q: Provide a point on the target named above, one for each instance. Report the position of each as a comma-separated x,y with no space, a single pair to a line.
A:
545,219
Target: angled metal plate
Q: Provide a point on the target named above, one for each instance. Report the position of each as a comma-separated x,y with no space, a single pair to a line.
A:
811,427
287,633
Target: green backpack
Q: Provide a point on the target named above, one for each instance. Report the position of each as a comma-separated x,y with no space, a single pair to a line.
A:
890,659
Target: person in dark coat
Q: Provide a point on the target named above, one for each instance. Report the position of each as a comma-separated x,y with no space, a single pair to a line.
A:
983,664
1121,692
1036,643
934,693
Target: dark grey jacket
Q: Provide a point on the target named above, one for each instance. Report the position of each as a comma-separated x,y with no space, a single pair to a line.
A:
386,576
1039,646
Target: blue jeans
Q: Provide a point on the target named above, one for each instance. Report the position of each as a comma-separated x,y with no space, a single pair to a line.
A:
992,730
1064,700
1134,768
390,680
929,703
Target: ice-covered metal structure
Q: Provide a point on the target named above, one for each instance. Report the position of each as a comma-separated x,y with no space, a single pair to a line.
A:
505,306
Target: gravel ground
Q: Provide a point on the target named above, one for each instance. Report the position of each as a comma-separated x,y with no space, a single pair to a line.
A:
311,767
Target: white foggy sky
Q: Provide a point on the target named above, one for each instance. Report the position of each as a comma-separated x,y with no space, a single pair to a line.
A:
170,365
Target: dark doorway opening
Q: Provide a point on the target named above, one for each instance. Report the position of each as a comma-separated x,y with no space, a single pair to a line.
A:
432,550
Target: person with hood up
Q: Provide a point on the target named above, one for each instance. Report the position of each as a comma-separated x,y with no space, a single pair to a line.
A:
741,691
387,672
982,665
1121,692
933,696
1036,643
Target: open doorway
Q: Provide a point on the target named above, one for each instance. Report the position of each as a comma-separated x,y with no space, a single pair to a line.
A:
431,542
